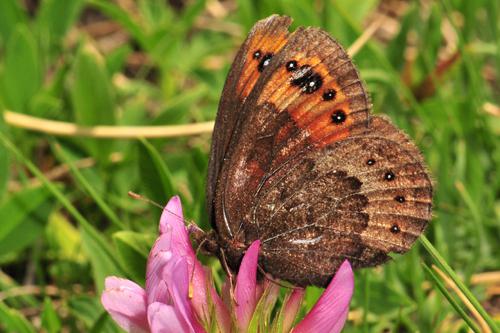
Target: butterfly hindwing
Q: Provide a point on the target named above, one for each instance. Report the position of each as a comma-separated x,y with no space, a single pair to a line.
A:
358,199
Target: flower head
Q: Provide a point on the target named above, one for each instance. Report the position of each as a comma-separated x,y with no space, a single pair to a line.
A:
179,295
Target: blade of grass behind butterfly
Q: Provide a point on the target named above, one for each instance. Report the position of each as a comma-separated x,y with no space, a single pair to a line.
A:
453,302
7,283
13,321
155,173
479,232
451,273
380,58
63,155
125,19
11,15
471,66
51,321
4,161
98,249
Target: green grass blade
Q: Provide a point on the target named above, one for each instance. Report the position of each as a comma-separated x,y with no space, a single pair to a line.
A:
106,209
98,248
11,15
4,162
122,17
439,284
23,215
155,173
56,17
13,320
92,96
451,273
50,319
22,71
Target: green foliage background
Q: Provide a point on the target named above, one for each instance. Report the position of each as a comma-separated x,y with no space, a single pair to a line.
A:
97,62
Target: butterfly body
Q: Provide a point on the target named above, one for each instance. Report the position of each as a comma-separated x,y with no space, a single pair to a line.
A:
299,163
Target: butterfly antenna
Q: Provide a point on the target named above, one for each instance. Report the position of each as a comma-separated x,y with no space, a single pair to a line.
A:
137,196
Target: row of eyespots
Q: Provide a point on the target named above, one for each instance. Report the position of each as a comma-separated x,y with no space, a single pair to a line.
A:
291,66
309,81
389,176
328,94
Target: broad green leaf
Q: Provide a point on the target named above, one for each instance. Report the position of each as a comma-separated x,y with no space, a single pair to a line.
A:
92,96
103,264
155,175
21,218
63,238
105,324
50,318
11,14
25,233
13,321
85,308
89,310
55,17
133,249
22,72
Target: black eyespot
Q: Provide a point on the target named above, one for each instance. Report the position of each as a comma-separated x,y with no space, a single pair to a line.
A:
329,94
307,79
291,65
314,83
395,229
400,199
370,161
389,176
338,117
265,61
257,54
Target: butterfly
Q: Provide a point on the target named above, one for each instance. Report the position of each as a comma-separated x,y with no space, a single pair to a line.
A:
298,162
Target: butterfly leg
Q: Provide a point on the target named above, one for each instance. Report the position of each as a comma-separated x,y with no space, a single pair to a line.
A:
230,276
191,287
273,280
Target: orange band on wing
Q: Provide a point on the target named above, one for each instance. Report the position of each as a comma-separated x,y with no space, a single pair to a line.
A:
264,44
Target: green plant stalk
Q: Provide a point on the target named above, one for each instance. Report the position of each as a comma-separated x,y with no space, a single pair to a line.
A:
451,273
439,284
60,196
90,190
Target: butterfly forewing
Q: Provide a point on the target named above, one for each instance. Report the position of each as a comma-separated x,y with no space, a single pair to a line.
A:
289,109
265,38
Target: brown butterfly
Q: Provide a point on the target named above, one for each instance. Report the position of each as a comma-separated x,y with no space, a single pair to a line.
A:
298,162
